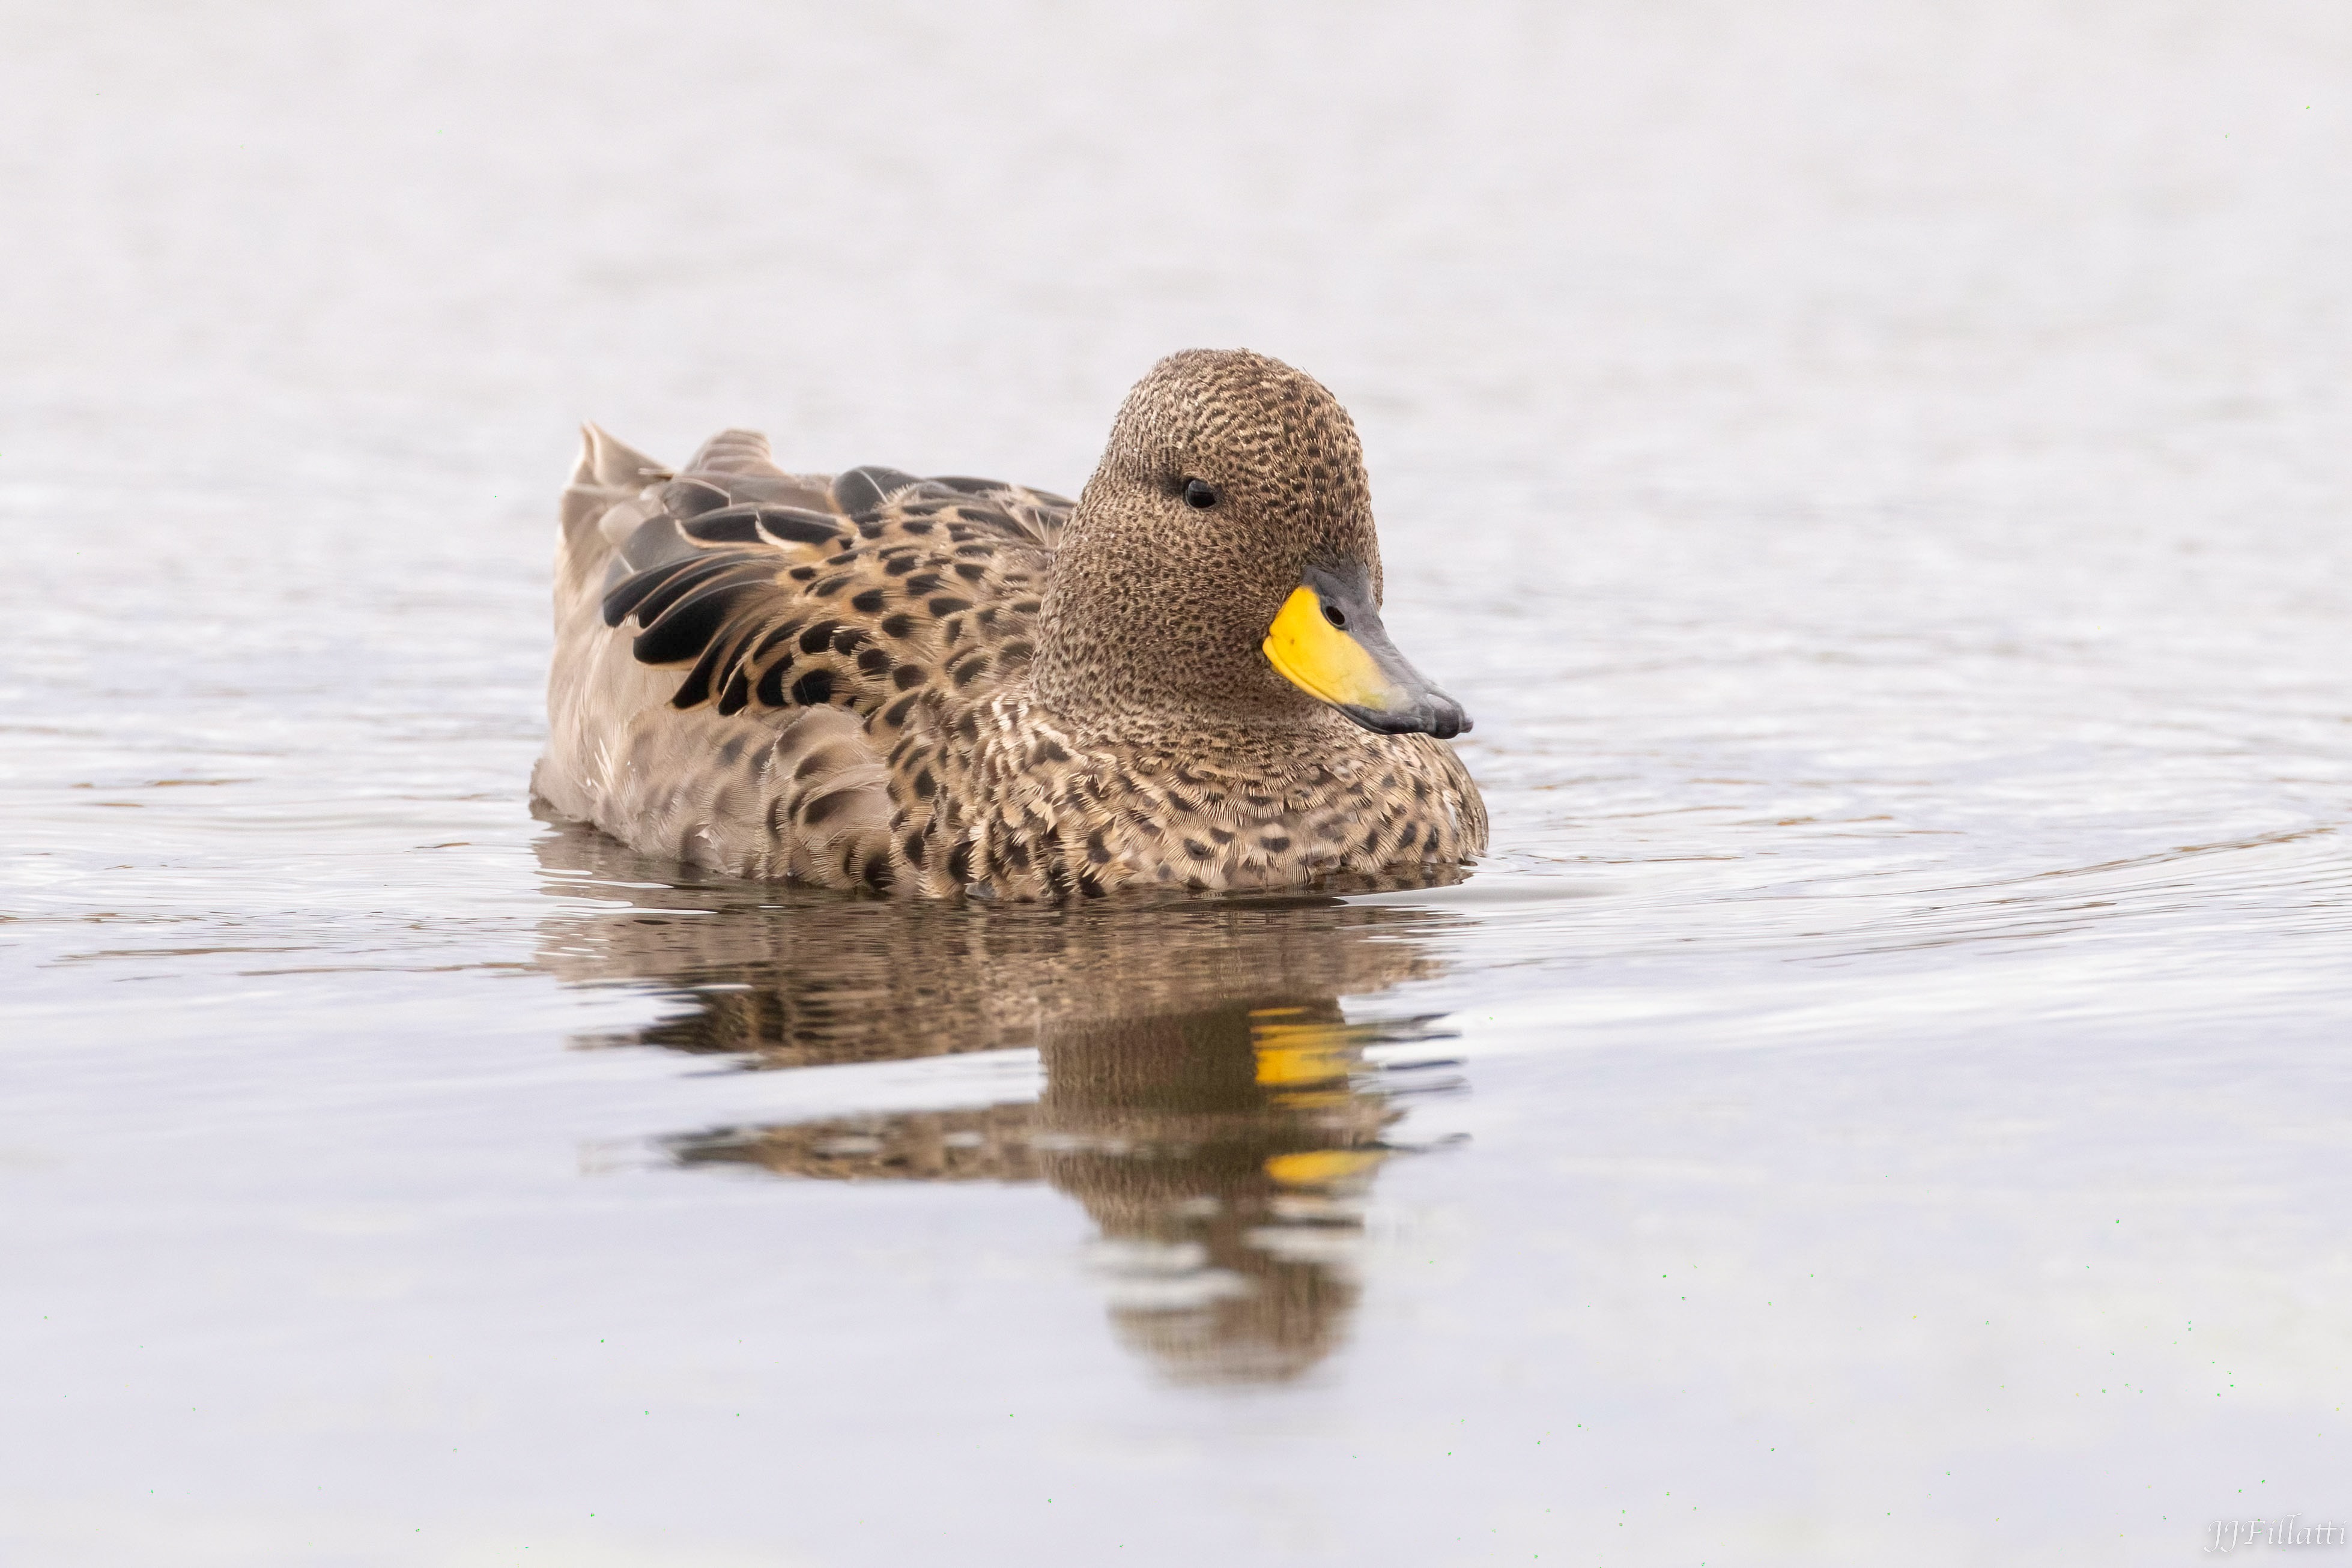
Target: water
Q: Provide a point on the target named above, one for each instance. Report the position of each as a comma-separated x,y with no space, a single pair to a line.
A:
1878,476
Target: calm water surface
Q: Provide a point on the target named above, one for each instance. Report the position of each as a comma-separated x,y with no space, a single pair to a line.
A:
1881,480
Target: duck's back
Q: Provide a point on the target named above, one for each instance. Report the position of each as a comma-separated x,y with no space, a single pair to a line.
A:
737,646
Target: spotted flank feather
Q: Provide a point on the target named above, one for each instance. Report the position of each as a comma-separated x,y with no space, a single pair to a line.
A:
830,680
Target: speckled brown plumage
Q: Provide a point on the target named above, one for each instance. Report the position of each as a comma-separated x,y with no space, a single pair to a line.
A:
944,685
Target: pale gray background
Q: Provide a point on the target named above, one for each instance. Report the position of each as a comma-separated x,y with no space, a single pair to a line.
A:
1878,473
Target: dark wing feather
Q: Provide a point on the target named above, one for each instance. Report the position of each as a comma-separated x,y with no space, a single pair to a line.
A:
901,586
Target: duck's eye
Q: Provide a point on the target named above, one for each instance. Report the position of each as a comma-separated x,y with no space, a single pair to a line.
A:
1197,494
1331,614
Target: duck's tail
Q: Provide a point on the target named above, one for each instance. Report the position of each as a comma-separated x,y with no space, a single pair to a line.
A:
609,471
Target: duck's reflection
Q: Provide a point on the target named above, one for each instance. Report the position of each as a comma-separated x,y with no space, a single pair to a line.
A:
1206,1099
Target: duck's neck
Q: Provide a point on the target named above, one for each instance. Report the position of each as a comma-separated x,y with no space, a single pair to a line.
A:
1110,666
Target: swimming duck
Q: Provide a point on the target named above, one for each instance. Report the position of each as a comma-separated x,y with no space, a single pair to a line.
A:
959,685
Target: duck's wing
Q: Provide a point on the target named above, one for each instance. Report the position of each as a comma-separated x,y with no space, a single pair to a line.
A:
733,642
864,591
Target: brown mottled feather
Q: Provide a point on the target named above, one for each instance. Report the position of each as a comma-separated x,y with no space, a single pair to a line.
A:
831,679
924,588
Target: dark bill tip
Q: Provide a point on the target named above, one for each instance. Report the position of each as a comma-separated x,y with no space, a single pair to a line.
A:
1436,715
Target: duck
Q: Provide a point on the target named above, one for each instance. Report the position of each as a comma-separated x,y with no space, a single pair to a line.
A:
955,687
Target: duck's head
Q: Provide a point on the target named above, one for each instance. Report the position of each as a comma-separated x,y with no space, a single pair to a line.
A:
1222,563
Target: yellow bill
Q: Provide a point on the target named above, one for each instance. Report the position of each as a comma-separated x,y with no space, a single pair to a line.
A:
1326,640
1321,660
